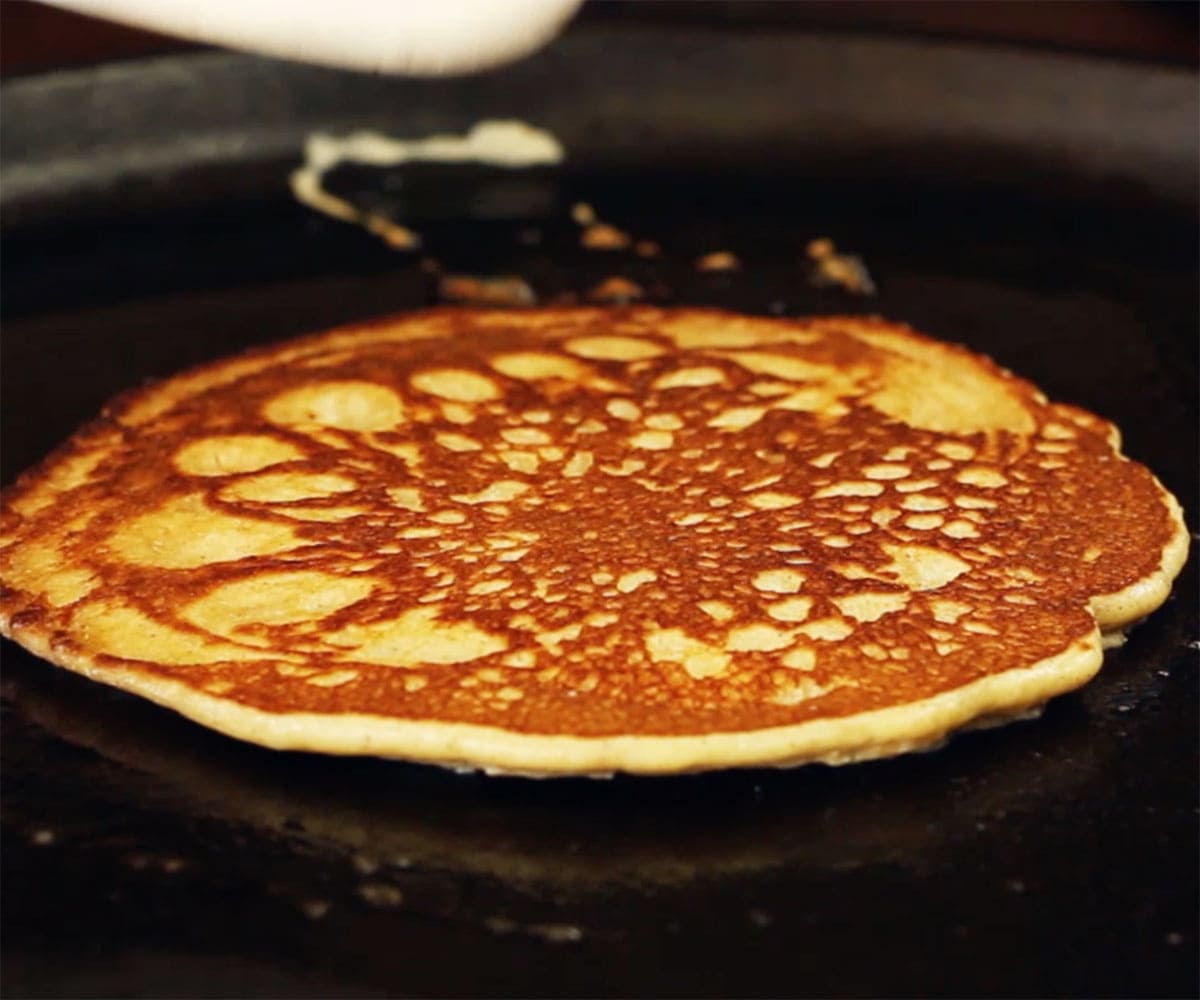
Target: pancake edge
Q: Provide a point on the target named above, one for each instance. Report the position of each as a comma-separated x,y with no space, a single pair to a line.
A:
1122,608
885,732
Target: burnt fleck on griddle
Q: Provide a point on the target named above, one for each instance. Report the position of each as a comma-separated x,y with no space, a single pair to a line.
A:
1039,208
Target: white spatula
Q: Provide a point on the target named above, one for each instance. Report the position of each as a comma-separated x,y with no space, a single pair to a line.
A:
412,37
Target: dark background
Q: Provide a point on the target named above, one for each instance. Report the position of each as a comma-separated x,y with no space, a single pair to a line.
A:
144,856
36,37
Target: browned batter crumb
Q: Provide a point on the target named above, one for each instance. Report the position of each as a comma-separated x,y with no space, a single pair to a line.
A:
583,214
831,268
616,290
602,236
718,260
504,290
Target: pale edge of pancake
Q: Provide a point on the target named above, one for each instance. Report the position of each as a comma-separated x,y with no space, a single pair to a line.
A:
883,732
1119,611
464,746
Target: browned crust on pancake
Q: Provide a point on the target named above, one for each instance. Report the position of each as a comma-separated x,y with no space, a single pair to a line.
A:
825,565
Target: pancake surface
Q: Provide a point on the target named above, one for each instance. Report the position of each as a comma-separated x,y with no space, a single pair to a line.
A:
586,540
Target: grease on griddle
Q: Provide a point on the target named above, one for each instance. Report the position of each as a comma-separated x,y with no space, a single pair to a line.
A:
314,909
553,933
381,895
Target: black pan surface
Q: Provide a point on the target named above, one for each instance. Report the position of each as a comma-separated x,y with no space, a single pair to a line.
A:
145,856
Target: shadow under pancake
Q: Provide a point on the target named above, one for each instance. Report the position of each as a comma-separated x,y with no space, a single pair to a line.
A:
587,836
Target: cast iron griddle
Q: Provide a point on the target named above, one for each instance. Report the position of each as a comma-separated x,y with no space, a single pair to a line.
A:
1038,208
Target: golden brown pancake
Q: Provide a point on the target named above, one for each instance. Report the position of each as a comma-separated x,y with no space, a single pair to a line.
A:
586,540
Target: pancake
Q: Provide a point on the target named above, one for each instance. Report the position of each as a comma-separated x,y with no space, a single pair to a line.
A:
578,541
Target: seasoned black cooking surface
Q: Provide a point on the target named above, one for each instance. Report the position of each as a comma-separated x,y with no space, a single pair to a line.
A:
146,856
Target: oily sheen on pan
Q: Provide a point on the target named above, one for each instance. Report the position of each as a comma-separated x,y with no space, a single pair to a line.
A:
577,541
